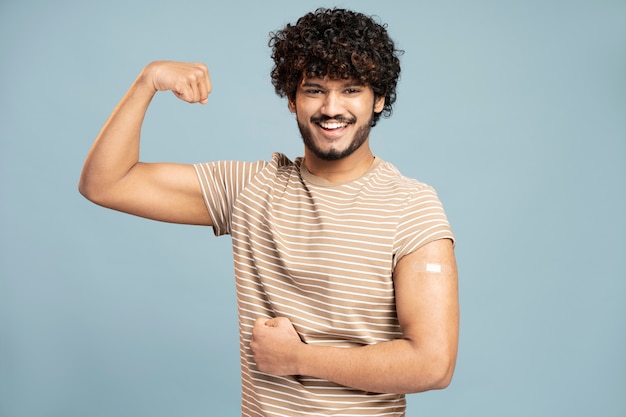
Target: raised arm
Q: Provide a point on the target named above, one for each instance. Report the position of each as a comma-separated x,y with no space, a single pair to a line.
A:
424,359
114,177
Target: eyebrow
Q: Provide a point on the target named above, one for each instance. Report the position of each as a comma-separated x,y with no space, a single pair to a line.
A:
347,83
310,84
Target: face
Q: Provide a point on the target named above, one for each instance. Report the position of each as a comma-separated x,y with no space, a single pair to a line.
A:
334,116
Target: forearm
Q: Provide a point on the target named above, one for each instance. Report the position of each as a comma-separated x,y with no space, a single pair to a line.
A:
392,367
116,149
424,359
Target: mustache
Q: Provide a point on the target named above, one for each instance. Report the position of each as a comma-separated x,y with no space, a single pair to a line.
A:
340,119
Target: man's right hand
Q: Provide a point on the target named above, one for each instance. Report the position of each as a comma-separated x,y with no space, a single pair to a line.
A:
189,82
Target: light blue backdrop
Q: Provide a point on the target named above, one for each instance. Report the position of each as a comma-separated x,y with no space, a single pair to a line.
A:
514,110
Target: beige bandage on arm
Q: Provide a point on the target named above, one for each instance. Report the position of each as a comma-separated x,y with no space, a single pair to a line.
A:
432,267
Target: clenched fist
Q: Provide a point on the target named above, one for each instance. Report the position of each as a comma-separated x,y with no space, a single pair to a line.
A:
188,81
276,346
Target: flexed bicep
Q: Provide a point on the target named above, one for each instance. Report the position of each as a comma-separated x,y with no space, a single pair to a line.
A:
114,177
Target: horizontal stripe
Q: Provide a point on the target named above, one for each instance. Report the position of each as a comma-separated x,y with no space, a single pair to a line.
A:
321,255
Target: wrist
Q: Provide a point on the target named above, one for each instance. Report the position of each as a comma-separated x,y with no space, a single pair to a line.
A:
308,360
145,81
299,359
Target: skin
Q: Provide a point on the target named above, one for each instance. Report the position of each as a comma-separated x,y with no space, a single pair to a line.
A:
333,101
426,302
114,177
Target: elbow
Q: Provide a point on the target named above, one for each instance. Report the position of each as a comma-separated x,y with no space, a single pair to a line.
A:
443,380
82,188
86,190
441,372
436,375
91,190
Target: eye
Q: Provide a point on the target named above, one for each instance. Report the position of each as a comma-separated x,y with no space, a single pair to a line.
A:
353,90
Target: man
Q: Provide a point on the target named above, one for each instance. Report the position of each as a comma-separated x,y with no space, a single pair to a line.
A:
345,270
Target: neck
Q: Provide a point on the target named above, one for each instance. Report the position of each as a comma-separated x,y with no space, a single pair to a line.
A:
340,170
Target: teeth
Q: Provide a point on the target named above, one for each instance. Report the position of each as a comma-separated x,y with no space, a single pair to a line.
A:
333,125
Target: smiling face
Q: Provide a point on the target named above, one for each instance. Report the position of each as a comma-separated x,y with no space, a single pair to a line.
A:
334,116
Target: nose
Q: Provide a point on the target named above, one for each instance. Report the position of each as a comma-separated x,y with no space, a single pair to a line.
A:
333,104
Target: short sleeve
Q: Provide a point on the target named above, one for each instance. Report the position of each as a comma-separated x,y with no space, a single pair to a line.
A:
221,182
423,221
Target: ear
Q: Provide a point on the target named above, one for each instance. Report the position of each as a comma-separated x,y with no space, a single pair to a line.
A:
292,106
379,104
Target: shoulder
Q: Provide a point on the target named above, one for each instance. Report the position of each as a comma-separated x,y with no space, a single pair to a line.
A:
278,166
388,175
239,167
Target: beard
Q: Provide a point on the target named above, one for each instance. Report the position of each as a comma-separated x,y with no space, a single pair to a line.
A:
332,154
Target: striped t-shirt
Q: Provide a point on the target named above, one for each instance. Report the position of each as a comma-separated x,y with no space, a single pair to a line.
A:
321,254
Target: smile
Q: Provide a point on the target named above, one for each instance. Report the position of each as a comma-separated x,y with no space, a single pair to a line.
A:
333,125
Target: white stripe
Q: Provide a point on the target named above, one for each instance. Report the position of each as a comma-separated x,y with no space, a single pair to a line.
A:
324,257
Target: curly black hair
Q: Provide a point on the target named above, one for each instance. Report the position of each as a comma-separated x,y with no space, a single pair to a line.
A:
340,44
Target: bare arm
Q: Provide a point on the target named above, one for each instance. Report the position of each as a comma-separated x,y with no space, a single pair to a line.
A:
113,176
424,359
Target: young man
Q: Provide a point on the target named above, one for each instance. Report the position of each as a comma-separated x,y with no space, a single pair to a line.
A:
345,270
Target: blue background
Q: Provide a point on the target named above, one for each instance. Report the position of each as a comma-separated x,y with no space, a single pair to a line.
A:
514,110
